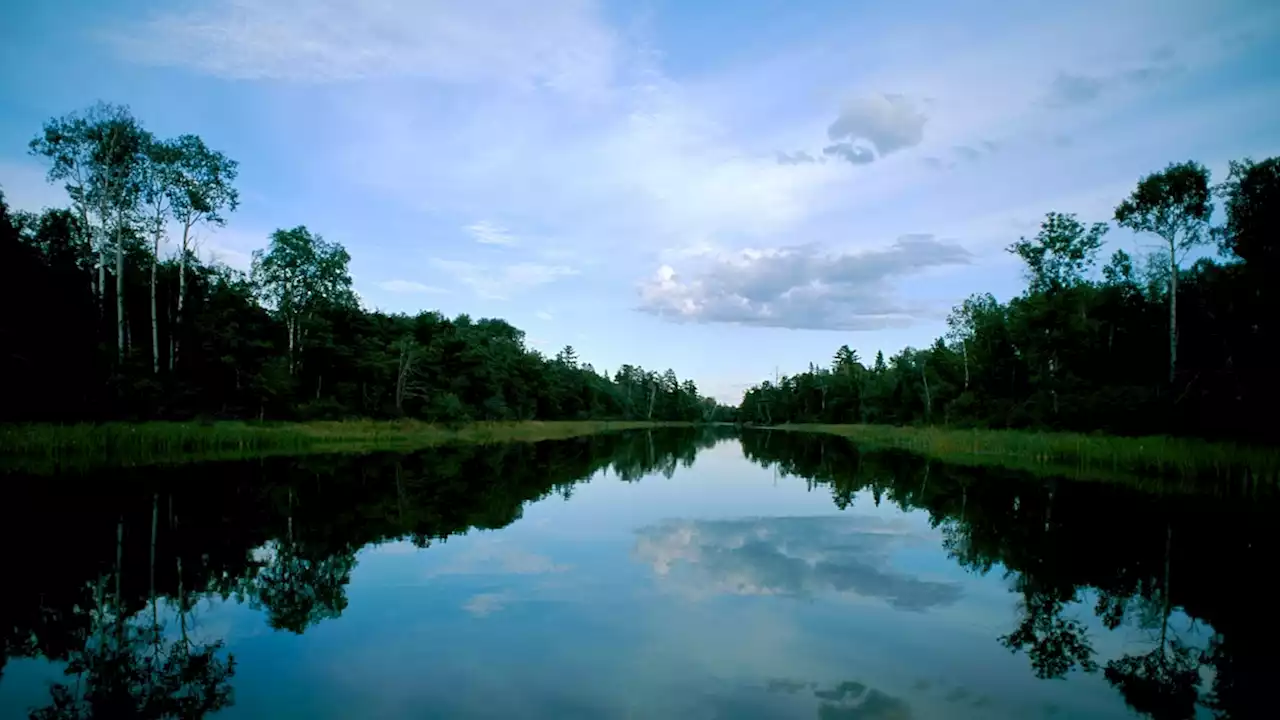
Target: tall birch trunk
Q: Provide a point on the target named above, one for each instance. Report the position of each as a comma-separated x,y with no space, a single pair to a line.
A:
155,326
1173,311
182,296
102,281
120,294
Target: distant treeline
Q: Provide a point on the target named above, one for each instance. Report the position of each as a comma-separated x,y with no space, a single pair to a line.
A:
101,323
1150,345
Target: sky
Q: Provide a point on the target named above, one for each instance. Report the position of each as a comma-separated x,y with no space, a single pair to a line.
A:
730,190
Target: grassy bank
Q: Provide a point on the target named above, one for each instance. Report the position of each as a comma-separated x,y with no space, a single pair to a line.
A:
1144,460
43,448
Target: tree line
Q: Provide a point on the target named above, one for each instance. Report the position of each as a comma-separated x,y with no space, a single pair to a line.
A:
108,324
1174,340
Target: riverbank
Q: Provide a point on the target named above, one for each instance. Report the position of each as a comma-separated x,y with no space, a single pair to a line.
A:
44,448
1135,460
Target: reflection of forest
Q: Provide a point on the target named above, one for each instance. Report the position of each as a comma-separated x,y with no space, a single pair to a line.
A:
1139,557
96,562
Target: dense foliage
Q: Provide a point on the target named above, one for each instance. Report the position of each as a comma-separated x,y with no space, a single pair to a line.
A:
110,326
1152,348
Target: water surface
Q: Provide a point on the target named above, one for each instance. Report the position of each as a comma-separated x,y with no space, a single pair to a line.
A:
674,574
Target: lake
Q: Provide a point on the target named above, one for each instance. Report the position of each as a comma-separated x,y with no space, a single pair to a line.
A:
697,573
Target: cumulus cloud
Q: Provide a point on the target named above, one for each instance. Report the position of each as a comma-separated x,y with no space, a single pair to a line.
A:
340,40
801,287
488,233
408,287
888,122
848,151
501,282
798,157
796,556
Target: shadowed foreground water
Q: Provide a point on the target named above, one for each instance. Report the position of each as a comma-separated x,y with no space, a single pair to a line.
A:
673,574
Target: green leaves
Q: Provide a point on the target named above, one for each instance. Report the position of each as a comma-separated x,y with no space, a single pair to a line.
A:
1174,204
1061,254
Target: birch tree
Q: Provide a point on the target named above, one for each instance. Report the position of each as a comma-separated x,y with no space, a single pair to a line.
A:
201,191
1173,204
93,153
156,178
298,274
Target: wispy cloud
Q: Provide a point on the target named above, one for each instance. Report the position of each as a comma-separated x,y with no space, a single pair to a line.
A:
409,287
343,40
487,233
501,282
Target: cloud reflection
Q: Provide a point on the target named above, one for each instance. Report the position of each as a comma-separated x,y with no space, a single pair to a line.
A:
799,556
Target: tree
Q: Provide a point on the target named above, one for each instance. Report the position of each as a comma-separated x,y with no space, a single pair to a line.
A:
157,178
299,274
1061,254
1252,204
1173,204
98,153
202,190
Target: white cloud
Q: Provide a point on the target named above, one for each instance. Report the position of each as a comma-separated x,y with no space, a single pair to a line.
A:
502,282
408,286
888,121
558,44
487,233
544,315
802,287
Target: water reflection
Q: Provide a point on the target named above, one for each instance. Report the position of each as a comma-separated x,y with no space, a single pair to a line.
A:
128,583
794,556
1140,558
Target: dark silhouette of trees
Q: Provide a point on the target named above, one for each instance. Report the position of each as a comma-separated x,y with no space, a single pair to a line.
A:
1169,349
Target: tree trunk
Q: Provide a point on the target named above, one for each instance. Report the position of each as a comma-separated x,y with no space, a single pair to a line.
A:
290,325
1173,312
176,341
964,351
155,322
928,400
102,282
120,294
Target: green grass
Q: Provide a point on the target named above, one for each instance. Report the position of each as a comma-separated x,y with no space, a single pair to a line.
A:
46,448
1145,460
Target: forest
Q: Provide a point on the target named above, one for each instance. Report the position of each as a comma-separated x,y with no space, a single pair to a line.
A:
122,319
114,326
1179,339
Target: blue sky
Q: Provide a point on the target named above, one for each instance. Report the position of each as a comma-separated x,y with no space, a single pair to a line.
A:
720,188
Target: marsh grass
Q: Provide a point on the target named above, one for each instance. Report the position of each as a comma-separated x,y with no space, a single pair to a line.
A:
51,448
1150,462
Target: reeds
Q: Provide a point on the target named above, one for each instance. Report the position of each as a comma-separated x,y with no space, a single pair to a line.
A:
1099,457
45,448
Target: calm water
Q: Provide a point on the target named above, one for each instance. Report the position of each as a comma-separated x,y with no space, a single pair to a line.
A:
690,574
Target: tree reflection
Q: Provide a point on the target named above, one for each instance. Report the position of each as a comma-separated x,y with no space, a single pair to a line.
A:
1054,644
111,590
1059,541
